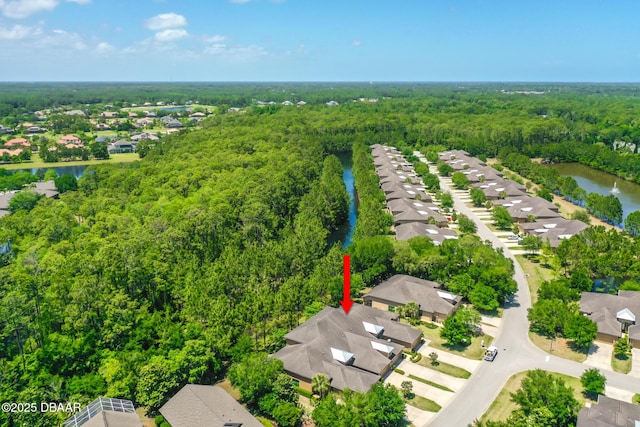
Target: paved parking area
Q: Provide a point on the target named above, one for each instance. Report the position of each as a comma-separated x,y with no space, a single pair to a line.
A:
600,355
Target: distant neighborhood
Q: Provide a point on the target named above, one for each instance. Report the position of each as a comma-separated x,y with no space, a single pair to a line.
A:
96,131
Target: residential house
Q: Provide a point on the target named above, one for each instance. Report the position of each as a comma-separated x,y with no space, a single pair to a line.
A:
435,303
287,103
332,103
105,139
198,114
206,406
75,113
501,189
354,351
34,129
102,126
47,189
609,412
121,146
150,113
4,129
409,230
553,230
145,136
70,140
22,142
10,153
171,122
106,412
143,122
424,215
109,114
5,198
614,314
132,114
300,103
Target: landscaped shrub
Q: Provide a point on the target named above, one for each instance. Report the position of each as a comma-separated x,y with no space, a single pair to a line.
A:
399,371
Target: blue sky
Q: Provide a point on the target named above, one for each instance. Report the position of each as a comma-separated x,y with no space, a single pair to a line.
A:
319,40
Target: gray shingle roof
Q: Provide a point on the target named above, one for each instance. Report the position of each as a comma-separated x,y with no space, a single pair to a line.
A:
205,406
412,229
401,289
309,350
609,412
602,309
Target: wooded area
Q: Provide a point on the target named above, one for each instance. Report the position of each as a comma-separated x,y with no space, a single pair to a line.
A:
172,268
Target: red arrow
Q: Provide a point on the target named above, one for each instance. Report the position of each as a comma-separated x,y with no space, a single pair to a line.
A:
346,299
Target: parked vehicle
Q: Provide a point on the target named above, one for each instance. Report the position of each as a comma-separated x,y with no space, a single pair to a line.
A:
491,353
513,237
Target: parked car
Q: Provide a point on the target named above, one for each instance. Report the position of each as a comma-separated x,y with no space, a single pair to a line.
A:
491,353
513,237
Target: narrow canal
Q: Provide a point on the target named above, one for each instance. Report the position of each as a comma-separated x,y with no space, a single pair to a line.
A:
345,232
595,181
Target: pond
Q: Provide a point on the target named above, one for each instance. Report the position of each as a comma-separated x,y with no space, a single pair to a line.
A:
595,181
345,231
76,171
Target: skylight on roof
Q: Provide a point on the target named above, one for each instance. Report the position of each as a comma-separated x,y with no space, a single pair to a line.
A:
446,295
341,356
381,347
372,329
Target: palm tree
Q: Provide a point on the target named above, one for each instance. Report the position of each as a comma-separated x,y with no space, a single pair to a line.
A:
321,384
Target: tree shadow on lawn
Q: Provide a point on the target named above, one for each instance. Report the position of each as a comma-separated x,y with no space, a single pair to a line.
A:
579,349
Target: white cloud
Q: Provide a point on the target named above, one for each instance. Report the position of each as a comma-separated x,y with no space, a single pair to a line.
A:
171,35
356,43
19,32
20,9
214,39
236,53
165,21
104,47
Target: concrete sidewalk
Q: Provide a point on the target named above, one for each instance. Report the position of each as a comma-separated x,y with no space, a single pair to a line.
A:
452,359
441,397
429,374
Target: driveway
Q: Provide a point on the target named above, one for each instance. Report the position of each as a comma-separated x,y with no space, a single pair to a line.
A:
635,363
517,352
599,355
441,397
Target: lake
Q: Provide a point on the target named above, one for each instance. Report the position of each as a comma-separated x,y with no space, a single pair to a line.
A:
595,181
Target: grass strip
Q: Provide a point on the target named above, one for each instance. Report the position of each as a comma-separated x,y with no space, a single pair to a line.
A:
431,383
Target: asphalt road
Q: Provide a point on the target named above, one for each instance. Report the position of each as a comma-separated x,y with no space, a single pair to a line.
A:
516,351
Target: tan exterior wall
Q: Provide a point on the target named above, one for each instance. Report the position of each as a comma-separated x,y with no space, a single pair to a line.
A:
379,305
606,338
304,384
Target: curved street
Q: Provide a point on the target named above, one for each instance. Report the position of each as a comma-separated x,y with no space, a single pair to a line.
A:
516,351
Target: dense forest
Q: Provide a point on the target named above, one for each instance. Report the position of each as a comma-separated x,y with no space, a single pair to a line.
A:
189,262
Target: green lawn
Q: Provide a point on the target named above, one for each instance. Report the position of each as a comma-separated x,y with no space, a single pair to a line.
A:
424,404
622,365
431,383
39,164
560,347
502,406
536,273
636,399
445,368
473,351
